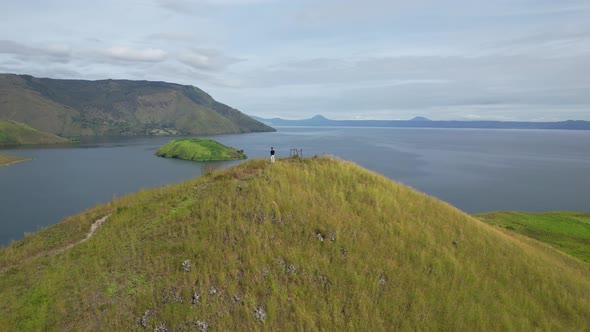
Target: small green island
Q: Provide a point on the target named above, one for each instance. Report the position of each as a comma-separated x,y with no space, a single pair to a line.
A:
199,149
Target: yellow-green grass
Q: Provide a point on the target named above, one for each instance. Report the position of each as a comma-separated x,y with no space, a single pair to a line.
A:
312,244
199,149
565,230
7,160
15,133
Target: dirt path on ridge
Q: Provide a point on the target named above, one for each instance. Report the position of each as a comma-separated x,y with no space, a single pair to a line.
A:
93,228
95,225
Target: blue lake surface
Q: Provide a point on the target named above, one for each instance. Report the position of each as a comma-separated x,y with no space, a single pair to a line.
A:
473,169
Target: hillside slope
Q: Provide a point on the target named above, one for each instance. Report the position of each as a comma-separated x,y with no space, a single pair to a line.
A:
14,133
117,107
297,245
564,230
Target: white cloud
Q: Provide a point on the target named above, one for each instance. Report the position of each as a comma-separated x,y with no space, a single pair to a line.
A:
178,6
58,50
129,54
206,59
172,36
194,6
330,12
11,47
51,50
233,2
344,58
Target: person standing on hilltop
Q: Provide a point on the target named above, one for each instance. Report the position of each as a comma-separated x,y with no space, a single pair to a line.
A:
272,154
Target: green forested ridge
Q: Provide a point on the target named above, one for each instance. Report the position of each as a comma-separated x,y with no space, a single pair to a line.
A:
14,133
198,149
117,107
301,244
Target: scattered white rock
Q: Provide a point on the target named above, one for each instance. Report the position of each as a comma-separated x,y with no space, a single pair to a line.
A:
203,325
291,269
320,236
196,298
186,266
163,327
143,320
260,314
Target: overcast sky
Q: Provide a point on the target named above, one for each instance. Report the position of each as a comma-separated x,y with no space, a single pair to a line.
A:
362,59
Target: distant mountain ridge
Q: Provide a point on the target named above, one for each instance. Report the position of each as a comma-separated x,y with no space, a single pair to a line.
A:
117,107
420,118
422,122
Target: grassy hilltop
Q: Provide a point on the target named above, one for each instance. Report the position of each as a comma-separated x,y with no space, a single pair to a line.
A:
14,133
117,107
297,245
198,149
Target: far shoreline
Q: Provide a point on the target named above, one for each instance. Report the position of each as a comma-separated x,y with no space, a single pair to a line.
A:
6,160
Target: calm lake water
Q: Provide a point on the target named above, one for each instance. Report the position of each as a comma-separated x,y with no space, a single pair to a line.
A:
474,170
